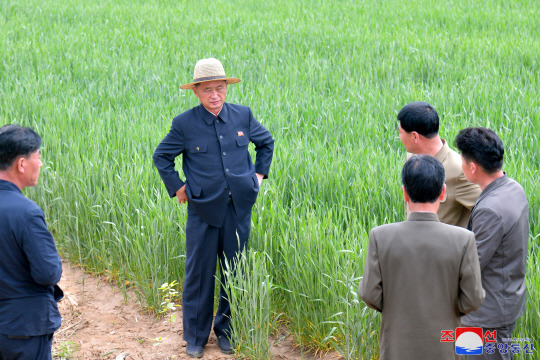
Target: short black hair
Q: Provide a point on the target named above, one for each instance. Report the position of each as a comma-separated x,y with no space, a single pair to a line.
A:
482,146
16,141
423,178
421,117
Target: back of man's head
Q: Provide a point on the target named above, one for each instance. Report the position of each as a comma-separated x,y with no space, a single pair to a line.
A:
421,117
423,178
482,146
16,141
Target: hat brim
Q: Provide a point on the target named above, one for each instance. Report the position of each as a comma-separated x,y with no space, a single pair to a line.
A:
229,80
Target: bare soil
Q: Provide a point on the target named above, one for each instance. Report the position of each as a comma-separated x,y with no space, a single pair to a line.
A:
98,322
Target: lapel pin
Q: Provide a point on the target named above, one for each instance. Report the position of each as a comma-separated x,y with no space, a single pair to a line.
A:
240,133
197,148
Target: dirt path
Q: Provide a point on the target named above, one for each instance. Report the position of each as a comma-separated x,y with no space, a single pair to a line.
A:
98,324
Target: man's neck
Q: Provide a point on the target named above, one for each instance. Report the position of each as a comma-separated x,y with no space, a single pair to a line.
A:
432,146
486,179
6,176
214,112
424,207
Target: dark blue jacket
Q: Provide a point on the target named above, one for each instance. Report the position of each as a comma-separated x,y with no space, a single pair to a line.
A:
215,159
29,267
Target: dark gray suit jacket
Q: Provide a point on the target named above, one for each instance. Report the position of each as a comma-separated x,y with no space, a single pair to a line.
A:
423,275
500,222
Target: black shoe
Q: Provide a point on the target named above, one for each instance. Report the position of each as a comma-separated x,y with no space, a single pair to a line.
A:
224,345
194,351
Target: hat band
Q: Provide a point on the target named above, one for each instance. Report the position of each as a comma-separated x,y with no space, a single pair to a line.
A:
209,78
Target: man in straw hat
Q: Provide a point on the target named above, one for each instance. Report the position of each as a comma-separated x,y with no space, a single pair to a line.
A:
221,187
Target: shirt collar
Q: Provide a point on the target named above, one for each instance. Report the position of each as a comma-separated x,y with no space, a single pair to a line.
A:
209,117
423,216
216,115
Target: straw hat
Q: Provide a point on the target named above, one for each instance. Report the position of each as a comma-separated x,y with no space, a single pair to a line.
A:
209,70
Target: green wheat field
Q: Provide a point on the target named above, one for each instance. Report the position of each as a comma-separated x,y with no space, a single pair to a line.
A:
99,80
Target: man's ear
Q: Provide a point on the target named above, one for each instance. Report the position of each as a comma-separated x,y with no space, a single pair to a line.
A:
443,192
19,164
416,136
405,195
473,166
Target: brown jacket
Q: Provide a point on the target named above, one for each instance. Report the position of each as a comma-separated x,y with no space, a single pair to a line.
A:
422,275
461,194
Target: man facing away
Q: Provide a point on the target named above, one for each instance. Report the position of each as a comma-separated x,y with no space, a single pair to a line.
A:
30,266
421,274
500,222
221,187
419,133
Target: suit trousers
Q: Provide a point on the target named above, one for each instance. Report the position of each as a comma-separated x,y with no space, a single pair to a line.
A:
26,348
205,244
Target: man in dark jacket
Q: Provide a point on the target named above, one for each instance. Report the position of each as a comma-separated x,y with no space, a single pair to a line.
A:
500,222
30,266
221,187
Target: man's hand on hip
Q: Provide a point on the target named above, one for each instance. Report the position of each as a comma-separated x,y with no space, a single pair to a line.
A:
181,195
260,178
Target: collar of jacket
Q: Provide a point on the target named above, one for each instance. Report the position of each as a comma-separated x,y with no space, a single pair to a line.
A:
494,185
422,216
209,118
8,185
443,153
